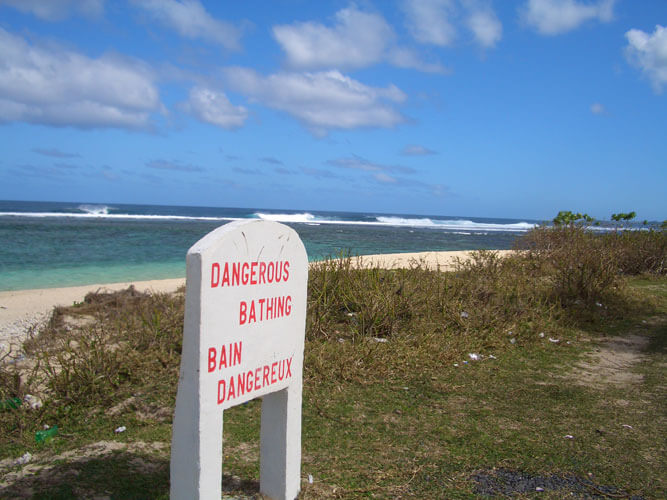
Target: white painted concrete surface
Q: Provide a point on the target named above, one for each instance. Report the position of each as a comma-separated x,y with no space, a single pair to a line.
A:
243,338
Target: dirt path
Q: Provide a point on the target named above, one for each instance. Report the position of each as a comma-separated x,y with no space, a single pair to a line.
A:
612,362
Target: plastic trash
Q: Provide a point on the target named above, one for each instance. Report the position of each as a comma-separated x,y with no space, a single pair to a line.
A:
539,488
554,341
474,356
456,365
380,339
512,340
33,401
120,429
310,478
10,403
491,356
24,459
628,426
46,435
568,436
510,333
464,314
541,335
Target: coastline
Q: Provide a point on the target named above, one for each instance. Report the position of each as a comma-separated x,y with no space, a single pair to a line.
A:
21,309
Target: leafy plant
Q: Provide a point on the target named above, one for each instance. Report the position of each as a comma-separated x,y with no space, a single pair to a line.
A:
566,218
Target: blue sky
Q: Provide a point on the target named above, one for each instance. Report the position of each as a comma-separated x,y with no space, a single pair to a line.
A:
445,107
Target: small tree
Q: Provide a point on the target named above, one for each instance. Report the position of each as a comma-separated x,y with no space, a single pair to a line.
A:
566,218
623,216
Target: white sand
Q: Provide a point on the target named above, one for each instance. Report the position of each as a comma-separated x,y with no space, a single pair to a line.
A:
23,308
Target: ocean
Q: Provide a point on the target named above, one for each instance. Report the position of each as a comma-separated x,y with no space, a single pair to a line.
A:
56,244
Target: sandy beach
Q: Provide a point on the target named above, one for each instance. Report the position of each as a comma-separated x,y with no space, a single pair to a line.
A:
21,309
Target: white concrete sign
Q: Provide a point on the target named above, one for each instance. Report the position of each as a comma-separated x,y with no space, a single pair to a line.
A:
243,338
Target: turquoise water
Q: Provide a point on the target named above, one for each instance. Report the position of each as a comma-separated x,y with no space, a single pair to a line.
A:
45,245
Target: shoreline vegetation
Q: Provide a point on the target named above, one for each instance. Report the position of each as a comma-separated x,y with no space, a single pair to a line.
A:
540,372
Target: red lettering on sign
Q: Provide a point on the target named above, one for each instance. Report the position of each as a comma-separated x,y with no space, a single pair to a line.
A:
221,391
225,275
243,383
215,274
265,375
243,307
281,370
273,372
286,271
244,273
231,393
253,273
262,273
211,359
257,371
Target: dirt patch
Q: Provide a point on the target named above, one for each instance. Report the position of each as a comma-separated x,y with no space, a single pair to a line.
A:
612,362
51,466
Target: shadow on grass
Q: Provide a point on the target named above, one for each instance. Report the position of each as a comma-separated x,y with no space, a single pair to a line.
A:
115,476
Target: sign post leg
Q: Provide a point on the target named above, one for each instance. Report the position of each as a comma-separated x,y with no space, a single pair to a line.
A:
280,444
196,450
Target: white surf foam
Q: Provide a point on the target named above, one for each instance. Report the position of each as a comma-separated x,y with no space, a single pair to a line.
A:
455,224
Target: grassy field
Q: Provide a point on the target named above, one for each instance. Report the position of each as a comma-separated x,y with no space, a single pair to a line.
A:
506,377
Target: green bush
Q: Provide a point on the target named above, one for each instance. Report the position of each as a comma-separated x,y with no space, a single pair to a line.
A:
579,265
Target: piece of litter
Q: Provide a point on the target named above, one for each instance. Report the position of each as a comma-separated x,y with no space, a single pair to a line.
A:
474,356
310,478
541,335
628,426
406,388
644,321
512,340
510,333
568,436
380,339
539,488
46,435
464,314
33,401
24,459
46,427
120,429
351,314
598,304
554,341
456,365
341,340
491,356
465,362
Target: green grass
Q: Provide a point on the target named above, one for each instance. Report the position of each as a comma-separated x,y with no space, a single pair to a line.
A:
394,419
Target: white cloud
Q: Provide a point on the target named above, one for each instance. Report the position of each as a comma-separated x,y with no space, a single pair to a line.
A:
435,21
55,86
597,108
552,17
485,26
430,22
213,107
417,150
358,163
190,19
56,10
173,165
357,39
323,100
649,53
54,153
